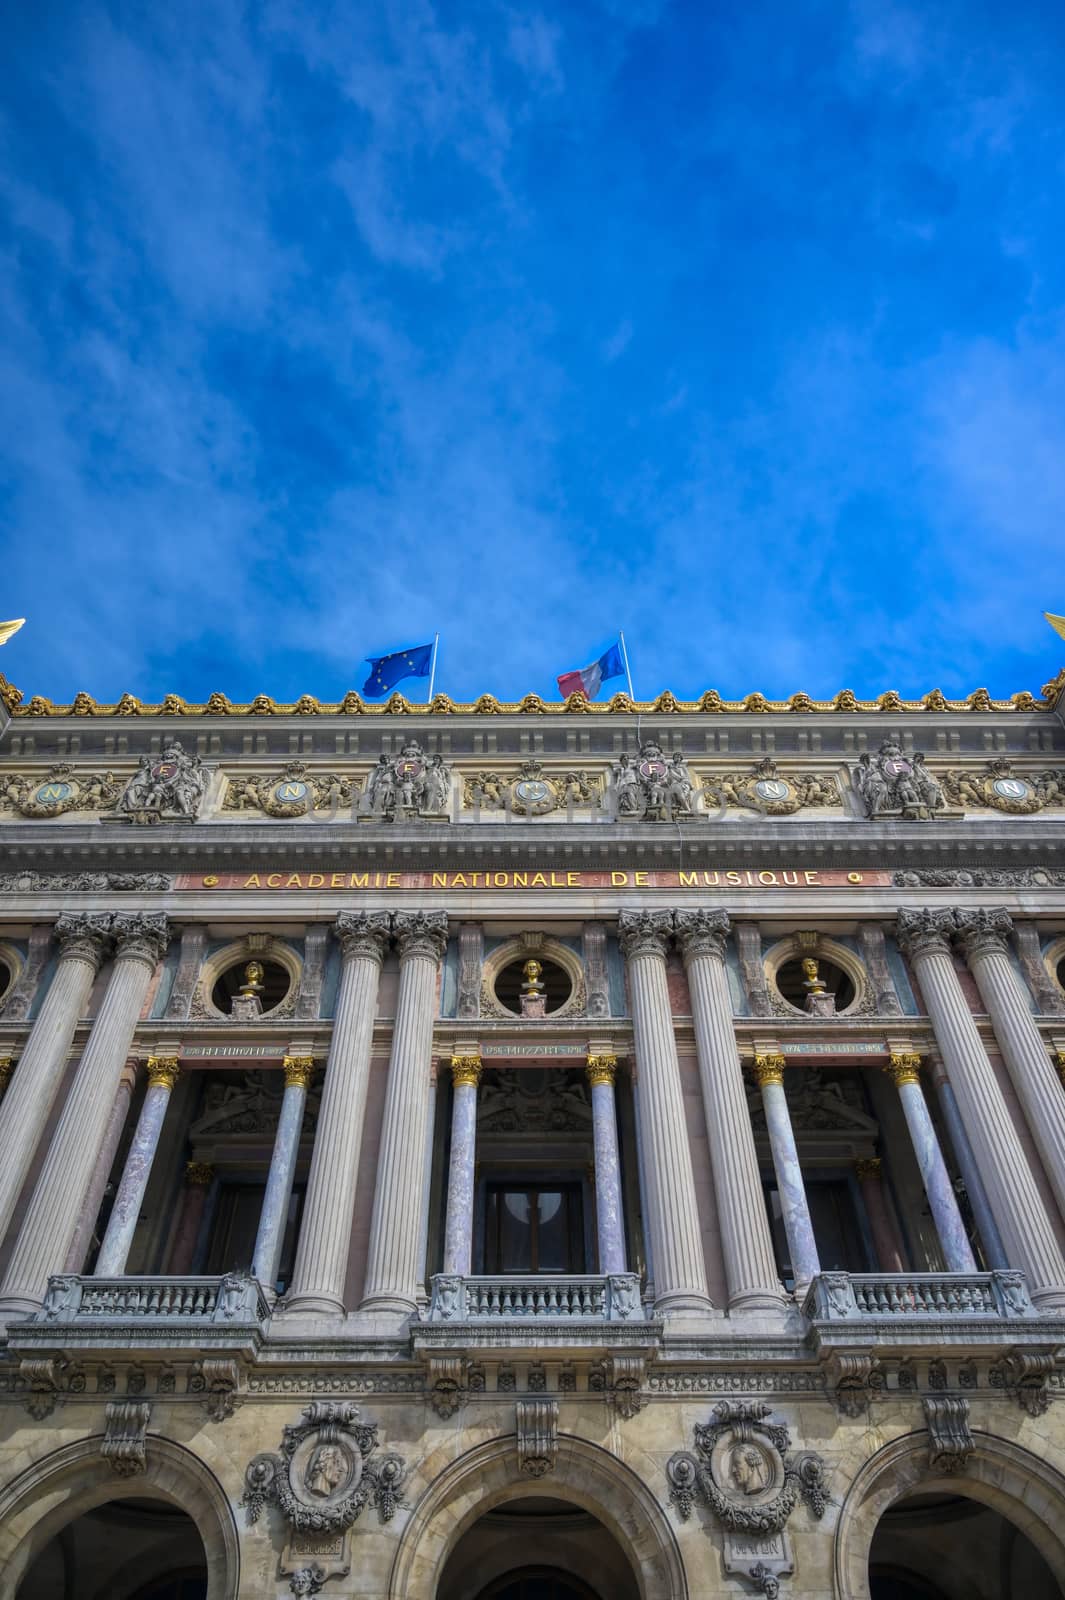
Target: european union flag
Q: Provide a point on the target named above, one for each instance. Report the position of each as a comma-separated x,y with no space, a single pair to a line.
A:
387,671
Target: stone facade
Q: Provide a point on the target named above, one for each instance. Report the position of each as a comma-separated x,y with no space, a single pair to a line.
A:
447,1143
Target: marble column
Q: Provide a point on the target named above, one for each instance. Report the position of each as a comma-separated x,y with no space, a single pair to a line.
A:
329,1210
983,936
671,1208
1026,1231
798,1226
83,943
270,1238
125,1213
199,1177
51,1220
747,1245
458,1229
392,1285
610,1226
987,1227
101,1172
904,1071
870,1174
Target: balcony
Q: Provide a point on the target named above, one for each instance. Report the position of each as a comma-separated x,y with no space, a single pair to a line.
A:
501,1301
184,1314
873,1298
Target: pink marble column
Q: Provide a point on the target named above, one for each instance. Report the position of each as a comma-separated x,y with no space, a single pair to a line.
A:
886,1242
199,1176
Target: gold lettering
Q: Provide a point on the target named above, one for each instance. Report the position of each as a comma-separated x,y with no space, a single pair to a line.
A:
556,881
473,880
392,881
439,880
290,791
688,880
619,880
733,877
538,881
768,877
316,880
295,881
274,881
521,880
790,877
573,880
711,878
359,880
811,877
336,881
51,791
640,879
253,882
500,880
458,880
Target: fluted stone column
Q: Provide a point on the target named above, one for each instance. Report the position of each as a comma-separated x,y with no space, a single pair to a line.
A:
672,1211
122,1223
983,936
904,1071
199,1178
458,1228
1023,1222
987,1227
746,1243
270,1238
870,1174
610,1226
51,1219
328,1212
798,1226
392,1285
105,1160
83,943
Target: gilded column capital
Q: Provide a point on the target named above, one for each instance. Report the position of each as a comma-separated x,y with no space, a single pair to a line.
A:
7,1067
868,1167
83,937
465,1071
299,1070
198,1174
421,933
644,933
601,1069
163,1072
925,931
903,1067
363,933
983,932
140,936
769,1069
702,933
1059,1062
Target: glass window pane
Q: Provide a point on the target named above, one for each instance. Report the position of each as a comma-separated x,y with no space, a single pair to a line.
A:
515,1233
552,1232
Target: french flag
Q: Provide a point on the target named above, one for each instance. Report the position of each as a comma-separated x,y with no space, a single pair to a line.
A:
588,680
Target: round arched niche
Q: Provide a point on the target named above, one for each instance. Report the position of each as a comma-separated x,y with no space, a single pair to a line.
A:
10,967
1024,1489
222,975
838,968
563,976
586,1476
1054,960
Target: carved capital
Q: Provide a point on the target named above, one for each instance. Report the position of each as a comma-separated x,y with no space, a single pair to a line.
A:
7,1067
869,1166
769,1069
83,938
198,1174
465,1071
983,932
140,936
601,1069
299,1070
162,1072
644,933
421,933
903,1067
702,933
925,931
1059,1062
363,933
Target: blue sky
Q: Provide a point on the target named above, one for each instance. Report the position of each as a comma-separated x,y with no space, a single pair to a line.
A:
740,327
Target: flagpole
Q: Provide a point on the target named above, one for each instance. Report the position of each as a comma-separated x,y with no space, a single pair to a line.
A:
432,671
625,658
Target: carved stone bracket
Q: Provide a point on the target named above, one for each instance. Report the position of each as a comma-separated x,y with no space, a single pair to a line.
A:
447,1387
950,1443
621,1377
326,1471
537,1427
217,1379
856,1377
1023,1374
125,1436
742,1468
48,1380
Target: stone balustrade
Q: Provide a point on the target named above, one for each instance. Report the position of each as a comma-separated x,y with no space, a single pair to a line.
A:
844,1296
611,1298
232,1300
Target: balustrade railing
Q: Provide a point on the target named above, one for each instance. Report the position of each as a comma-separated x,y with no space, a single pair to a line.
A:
851,1296
613,1298
233,1298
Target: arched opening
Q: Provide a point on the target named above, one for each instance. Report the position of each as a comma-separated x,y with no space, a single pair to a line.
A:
537,1548
129,1549
266,979
949,1547
511,983
793,985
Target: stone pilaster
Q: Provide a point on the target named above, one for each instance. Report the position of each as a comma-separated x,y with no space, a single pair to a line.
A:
749,949
315,948
51,1219
904,1071
1022,1219
671,1208
745,1238
458,1230
471,956
190,961
392,1286
795,1212
593,949
983,936
83,943
610,1226
328,1213
101,1172
122,1223
1048,997
270,1238
874,956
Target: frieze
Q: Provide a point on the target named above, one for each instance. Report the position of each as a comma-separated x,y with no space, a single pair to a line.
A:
86,882
729,1381
697,879
533,791
62,789
978,878
333,1382
771,792
292,792
999,788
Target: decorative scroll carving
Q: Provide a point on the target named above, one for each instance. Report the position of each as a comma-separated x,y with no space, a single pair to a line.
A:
767,790
653,788
125,1436
448,1380
217,1380
408,785
327,1470
63,788
977,878
894,786
28,882
537,1427
743,1470
856,1377
1023,1374
1000,789
293,792
164,788
950,1443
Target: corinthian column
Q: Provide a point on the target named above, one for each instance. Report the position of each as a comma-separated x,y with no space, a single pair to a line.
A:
392,1265
51,1220
266,1257
795,1212
610,1228
1023,1223
746,1242
328,1212
122,1223
458,1228
672,1209
83,943
904,1070
983,936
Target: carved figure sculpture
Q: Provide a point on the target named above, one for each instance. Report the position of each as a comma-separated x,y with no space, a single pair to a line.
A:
326,1470
652,787
169,786
890,784
408,785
